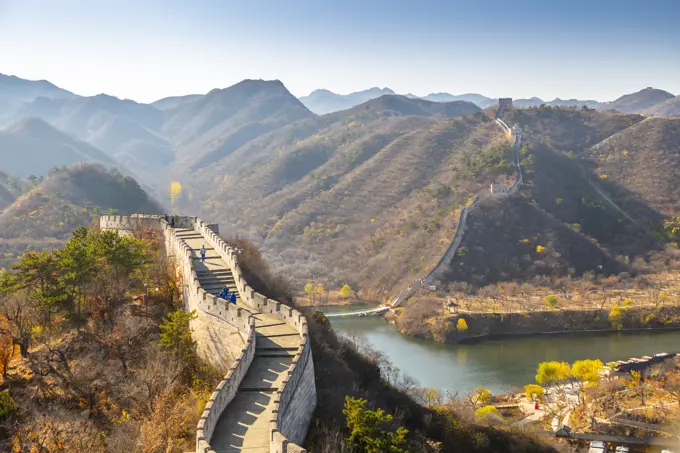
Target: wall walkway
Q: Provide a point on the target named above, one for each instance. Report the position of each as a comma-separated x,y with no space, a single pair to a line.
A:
266,401
450,253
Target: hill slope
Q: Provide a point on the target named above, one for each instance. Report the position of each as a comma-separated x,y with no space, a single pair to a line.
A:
69,198
83,116
219,111
560,224
641,167
33,147
670,107
10,189
365,196
640,101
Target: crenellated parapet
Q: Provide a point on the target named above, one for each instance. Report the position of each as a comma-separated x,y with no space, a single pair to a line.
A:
295,399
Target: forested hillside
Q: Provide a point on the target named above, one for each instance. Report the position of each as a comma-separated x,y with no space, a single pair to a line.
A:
68,198
561,224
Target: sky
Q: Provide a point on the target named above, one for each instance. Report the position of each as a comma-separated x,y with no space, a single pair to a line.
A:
149,49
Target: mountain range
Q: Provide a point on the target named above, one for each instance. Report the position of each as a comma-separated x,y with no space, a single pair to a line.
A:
648,100
367,192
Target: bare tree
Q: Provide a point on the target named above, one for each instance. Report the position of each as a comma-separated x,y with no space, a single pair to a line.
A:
21,317
160,371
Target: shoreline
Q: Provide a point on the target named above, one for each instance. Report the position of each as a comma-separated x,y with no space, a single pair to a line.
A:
485,326
481,338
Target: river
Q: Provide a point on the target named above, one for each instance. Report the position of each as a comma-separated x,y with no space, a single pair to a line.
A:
498,365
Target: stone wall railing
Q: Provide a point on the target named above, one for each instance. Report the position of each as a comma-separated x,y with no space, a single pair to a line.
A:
296,399
451,250
205,304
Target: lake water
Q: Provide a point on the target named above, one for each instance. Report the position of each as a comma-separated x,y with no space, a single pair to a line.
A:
498,364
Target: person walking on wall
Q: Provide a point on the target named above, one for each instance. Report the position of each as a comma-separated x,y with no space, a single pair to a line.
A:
225,293
203,254
232,298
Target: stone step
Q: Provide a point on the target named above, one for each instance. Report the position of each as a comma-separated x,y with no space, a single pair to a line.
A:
215,285
258,389
220,271
283,354
221,278
277,335
272,348
188,236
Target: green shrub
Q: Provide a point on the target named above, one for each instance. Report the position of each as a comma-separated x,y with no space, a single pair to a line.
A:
7,405
365,429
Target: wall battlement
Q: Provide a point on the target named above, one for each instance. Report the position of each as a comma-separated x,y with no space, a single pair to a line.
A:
295,400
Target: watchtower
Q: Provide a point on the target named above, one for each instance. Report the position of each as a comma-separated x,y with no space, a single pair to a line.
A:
505,103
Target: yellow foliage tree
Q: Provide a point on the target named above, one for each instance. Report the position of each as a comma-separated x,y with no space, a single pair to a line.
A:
488,415
346,291
539,249
461,326
616,316
552,301
533,390
587,371
550,373
480,396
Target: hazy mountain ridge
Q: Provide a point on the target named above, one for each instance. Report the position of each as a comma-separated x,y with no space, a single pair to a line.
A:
324,101
33,147
15,91
173,102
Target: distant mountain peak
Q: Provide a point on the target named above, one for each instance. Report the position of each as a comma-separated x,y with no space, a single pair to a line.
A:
33,126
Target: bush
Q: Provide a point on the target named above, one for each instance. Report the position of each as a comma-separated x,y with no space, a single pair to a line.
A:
488,414
552,301
532,390
461,326
365,429
176,334
7,405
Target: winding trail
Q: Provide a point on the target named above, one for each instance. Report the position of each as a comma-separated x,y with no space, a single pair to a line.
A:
246,425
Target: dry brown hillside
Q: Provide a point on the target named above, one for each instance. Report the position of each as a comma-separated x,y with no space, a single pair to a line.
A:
10,189
642,165
67,199
560,224
372,203
639,101
671,107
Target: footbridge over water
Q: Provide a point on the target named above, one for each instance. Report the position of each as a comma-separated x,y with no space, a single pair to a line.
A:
371,312
267,398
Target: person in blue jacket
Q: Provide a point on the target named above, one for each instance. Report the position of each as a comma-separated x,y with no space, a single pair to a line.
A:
232,298
225,293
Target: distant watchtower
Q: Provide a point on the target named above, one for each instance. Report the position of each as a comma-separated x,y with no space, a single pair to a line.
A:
504,104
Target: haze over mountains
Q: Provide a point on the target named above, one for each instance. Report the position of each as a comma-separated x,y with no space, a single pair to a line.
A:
324,101
369,191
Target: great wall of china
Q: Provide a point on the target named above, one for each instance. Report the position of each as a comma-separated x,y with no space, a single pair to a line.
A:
451,250
267,398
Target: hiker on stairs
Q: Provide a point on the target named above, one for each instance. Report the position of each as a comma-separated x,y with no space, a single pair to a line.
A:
232,298
225,293
203,254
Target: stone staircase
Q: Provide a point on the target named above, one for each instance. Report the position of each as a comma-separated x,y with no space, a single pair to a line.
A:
246,425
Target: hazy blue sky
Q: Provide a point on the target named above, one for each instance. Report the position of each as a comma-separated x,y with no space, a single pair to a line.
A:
147,49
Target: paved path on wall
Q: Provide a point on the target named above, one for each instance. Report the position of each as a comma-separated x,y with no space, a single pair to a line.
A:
244,425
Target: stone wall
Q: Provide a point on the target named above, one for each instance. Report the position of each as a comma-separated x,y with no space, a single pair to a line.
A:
296,399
